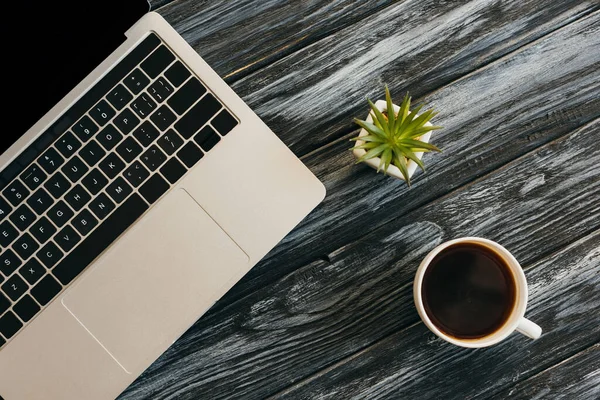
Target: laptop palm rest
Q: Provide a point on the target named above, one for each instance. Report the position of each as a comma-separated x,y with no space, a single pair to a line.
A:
155,281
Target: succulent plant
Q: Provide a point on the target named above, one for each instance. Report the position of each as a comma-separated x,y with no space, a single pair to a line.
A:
394,138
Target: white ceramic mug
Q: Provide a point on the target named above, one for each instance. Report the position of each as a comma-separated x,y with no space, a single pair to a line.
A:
516,320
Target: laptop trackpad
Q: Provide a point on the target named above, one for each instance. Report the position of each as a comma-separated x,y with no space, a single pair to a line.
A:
156,281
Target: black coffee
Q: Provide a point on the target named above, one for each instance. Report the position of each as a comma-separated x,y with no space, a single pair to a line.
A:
468,291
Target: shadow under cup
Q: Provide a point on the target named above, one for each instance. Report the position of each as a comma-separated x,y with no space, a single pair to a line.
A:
471,292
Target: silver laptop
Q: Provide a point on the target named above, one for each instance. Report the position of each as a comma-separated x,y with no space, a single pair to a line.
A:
130,207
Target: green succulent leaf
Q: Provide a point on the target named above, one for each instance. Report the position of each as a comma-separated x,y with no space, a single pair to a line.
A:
418,145
391,113
371,128
386,158
372,153
379,117
405,107
400,162
412,156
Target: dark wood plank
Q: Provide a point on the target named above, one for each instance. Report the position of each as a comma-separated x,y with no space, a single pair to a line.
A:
564,289
310,97
328,310
495,115
238,37
577,377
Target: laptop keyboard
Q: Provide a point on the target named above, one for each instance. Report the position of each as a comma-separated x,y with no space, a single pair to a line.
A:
89,177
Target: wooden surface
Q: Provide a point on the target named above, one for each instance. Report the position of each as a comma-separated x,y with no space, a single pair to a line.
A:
328,313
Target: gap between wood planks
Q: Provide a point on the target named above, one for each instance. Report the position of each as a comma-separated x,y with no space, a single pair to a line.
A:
364,350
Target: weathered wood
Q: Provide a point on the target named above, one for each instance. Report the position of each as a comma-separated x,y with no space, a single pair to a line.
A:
329,310
577,377
238,37
310,97
495,115
564,293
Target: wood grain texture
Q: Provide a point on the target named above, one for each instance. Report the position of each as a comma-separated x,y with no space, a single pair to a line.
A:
490,117
238,37
329,310
310,97
577,377
564,298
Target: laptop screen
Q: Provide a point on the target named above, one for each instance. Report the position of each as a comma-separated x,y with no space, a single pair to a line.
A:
49,47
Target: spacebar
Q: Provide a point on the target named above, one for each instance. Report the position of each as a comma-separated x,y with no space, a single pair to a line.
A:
100,239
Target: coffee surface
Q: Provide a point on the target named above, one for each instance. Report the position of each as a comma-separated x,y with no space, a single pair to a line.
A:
468,291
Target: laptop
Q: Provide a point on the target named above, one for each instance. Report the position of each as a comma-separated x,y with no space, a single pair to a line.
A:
136,188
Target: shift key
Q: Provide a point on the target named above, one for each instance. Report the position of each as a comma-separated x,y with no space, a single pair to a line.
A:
197,116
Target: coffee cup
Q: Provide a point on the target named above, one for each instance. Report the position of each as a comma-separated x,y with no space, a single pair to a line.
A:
472,292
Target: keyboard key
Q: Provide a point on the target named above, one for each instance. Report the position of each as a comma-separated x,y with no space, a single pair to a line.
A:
32,271
207,138
153,158
190,154
177,74
170,142
102,206
173,170
57,185
14,287
26,308
84,222
119,97
154,188
160,90
102,112
51,160
77,197
157,61
49,255
143,105
25,246
129,149
40,201
85,128
67,238
100,239
9,325
22,217
4,303
163,118
224,122
68,144
119,190
186,96
8,234
146,134
109,137
75,169
60,214
5,209
42,230
33,177
112,165
136,174
15,193
9,262
197,116
95,181
136,81
92,153
126,121
2,342
45,290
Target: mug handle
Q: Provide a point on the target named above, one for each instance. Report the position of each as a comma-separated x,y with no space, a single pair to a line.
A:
529,329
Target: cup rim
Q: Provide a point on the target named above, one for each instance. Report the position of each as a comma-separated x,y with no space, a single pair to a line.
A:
517,313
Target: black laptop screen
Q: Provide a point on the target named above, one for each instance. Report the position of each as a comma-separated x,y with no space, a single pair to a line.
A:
50,47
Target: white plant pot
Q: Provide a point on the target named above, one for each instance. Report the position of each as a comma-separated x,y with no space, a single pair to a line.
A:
394,171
